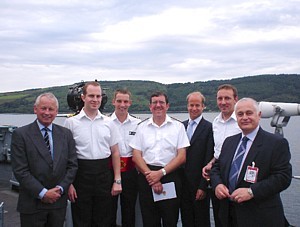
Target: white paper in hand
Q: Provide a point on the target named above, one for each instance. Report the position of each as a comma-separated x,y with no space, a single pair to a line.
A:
169,192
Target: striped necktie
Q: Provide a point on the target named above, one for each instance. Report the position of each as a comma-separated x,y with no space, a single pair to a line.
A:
236,165
46,138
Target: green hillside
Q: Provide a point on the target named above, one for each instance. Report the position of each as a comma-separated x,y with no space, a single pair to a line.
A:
275,88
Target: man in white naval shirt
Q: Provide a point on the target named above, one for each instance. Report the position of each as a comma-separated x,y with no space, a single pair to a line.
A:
127,125
96,139
159,149
224,125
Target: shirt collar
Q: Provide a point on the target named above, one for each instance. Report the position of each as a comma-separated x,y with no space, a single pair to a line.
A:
168,119
251,136
83,114
41,126
197,120
231,118
114,117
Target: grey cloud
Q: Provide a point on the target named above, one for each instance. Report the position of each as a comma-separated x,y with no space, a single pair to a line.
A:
57,38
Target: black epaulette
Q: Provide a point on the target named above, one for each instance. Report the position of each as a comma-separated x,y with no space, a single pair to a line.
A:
143,120
134,116
109,115
176,119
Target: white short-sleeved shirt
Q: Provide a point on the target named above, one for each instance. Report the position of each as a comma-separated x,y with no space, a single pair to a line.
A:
93,137
127,131
159,144
222,129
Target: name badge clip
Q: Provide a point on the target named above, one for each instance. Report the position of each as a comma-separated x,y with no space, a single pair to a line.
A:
251,173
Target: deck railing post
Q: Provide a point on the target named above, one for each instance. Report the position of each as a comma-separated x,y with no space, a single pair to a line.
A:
1,214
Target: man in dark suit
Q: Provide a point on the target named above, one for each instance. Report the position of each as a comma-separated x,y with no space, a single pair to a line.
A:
250,196
194,202
44,169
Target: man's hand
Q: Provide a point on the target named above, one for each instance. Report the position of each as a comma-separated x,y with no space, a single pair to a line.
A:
222,191
200,194
240,195
72,193
206,170
157,188
153,176
52,195
116,189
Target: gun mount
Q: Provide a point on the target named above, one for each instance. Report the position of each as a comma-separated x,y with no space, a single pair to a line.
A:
74,100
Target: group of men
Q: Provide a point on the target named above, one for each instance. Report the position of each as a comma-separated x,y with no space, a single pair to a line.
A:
171,165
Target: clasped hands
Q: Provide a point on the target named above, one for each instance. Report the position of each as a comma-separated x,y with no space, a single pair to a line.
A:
52,195
153,178
239,195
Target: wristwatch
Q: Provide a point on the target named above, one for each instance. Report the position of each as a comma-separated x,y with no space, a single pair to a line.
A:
163,171
117,181
250,192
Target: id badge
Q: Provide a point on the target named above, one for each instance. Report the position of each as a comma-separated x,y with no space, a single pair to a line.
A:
251,173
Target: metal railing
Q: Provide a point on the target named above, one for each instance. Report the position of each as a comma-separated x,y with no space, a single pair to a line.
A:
1,214
68,218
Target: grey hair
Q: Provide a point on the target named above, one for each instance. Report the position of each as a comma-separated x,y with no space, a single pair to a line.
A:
246,99
48,95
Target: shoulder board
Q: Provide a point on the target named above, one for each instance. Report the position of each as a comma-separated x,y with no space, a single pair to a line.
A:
134,116
71,115
175,119
144,120
109,115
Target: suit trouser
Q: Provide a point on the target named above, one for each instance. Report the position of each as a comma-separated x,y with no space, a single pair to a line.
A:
47,218
216,207
164,211
127,198
93,182
194,213
232,218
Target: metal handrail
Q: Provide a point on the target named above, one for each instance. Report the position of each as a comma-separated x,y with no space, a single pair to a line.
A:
1,214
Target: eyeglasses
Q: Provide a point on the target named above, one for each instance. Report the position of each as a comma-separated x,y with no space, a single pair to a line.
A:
158,102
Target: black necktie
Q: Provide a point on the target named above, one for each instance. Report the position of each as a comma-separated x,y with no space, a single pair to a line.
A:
236,165
46,138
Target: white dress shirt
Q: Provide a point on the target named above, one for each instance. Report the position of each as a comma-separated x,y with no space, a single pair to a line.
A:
222,129
93,138
127,131
159,144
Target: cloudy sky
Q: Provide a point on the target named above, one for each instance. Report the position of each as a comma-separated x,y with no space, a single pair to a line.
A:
61,42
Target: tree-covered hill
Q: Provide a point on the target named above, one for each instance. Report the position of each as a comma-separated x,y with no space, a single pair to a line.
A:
275,88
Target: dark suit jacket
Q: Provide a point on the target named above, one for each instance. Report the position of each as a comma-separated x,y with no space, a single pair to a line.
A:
272,156
198,154
34,168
